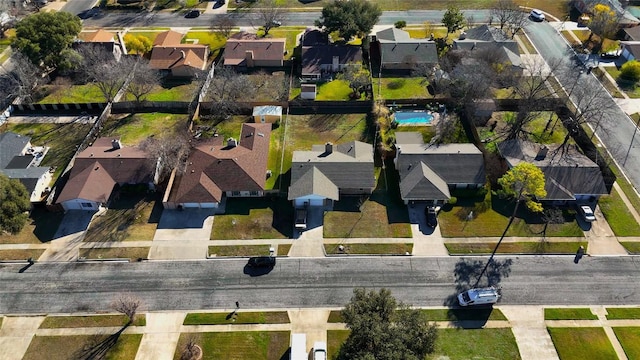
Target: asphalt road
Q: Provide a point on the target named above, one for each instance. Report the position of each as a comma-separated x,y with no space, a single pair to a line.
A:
293,283
75,7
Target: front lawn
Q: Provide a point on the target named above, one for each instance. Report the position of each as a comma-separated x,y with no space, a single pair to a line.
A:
629,87
62,322
369,249
628,338
539,247
133,128
239,250
618,215
400,88
131,253
582,343
261,317
569,314
240,345
71,94
40,227
20,254
122,347
632,247
623,313
215,40
132,216
257,218
333,90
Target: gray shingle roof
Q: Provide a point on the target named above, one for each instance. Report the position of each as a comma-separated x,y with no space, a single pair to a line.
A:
423,183
414,52
313,182
567,173
348,166
393,34
11,144
492,38
14,165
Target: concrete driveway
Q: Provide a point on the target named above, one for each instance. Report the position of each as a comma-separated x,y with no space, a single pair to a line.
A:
182,234
69,236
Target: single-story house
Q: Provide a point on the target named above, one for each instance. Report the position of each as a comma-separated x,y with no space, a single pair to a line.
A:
486,37
103,39
632,33
321,60
570,176
630,50
429,172
19,160
267,113
320,176
217,169
398,51
180,60
252,53
99,168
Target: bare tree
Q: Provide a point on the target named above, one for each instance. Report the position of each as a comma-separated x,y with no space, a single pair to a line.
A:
128,305
429,29
168,153
551,216
18,77
144,79
226,89
470,21
503,11
270,15
191,350
518,21
102,69
223,25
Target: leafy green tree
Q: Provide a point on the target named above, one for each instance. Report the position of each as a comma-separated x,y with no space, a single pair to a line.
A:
453,19
603,22
358,78
524,182
630,70
14,205
44,37
383,329
400,24
349,18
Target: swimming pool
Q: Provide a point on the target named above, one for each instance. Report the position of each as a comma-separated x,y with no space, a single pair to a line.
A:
420,117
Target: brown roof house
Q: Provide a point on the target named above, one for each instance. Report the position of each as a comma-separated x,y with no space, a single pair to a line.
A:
398,51
570,176
320,176
103,39
19,160
428,172
181,60
99,168
321,60
217,169
247,53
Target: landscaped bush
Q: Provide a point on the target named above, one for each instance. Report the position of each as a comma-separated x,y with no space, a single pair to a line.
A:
630,70
396,84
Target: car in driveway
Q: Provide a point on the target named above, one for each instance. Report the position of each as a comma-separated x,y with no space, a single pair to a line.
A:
192,14
586,213
613,54
319,350
262,262
432,216
536,15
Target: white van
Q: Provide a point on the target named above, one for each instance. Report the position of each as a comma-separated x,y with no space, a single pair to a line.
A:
481,296
299,347
319,350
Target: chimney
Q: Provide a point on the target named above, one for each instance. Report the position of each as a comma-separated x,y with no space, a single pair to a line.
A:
116,144
335,63
328,148
231,142
542,153
182,54
248,57
463,35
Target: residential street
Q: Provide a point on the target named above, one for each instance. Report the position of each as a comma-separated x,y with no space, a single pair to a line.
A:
310,282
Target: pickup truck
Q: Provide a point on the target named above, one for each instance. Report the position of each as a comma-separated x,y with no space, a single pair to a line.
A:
301,219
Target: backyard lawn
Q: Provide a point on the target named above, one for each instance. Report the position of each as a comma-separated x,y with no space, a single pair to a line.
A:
174,91
582,343
400,88
114,347
132,216
334,90
133,128
257,218
70,94
254,345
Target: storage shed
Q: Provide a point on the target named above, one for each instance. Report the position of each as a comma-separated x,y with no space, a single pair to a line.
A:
267,114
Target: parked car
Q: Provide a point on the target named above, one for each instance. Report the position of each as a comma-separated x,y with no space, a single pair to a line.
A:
536,15
319,350
276,23
613,54
262,261
192,14
586,213
432,216
480,296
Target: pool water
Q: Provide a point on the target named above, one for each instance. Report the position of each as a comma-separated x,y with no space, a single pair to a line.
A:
413,118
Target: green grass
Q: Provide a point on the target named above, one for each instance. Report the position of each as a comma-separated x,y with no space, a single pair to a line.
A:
618,215
633,247
371,249
254,219
628,338
555,132
131,253
582,343
283,249
20,254
63,140
174,92
335,339
333,90
77,346
464,314
134,128
400,88
262,317
607,83
527,44
62,94
289,33
629,87
463,344
516,247
62,322
214,40
335,316
623,313
151,34
254,345
40,227
569,314
239,250
131,217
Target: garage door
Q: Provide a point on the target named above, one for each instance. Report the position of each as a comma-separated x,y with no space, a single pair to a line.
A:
190,205
208,205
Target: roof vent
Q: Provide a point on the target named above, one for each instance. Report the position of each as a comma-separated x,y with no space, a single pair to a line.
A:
116,144
261,134
328,148
542,153
192,171
91,155
231,142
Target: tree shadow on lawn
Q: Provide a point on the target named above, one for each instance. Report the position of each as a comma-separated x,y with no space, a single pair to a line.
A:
280,207
97,347
387,194
45,223
324,122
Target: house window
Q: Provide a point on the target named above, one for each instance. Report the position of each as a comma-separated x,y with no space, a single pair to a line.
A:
86,205
254,193
235,193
